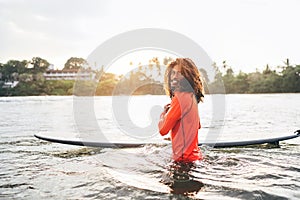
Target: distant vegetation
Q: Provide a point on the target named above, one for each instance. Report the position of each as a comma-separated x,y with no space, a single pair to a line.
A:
143,80
285,80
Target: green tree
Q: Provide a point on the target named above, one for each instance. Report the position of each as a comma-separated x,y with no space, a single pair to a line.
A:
76,63
11,70
228,80
291,79
1,73
217,85
106,84
267,82
255,79
240,83
40,65
106,87
267,70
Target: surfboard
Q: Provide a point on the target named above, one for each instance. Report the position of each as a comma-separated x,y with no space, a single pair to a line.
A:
274,141
78,142
217,144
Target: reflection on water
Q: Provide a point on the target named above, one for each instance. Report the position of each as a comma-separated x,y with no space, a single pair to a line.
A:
181,180
77,152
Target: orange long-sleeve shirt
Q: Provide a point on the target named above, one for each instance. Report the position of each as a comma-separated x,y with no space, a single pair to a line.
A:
182,119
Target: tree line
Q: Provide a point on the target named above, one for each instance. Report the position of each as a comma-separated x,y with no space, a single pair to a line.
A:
286,79
144,79
29,74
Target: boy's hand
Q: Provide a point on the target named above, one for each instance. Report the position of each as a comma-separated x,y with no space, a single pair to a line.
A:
166,108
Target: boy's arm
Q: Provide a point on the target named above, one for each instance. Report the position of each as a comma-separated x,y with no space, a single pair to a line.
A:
169,117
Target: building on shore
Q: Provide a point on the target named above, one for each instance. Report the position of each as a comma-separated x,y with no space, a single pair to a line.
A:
10,84
70,74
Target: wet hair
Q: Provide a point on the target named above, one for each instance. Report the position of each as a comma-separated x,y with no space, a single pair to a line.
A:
192,81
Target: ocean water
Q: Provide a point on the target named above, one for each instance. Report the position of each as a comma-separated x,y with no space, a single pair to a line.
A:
35,169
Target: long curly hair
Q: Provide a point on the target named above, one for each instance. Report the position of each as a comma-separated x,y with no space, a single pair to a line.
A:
191,75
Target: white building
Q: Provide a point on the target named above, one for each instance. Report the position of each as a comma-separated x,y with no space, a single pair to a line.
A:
10,84
70,74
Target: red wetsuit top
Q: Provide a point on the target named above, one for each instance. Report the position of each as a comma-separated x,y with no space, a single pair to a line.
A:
183,120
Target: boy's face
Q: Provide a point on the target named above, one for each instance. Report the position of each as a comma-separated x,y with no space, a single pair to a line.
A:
175,77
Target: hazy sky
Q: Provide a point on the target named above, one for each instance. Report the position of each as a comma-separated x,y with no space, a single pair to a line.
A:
248,34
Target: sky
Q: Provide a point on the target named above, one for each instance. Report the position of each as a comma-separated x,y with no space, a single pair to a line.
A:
248,34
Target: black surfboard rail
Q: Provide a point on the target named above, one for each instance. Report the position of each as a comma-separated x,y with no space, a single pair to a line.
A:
274,141
90,143
79,142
